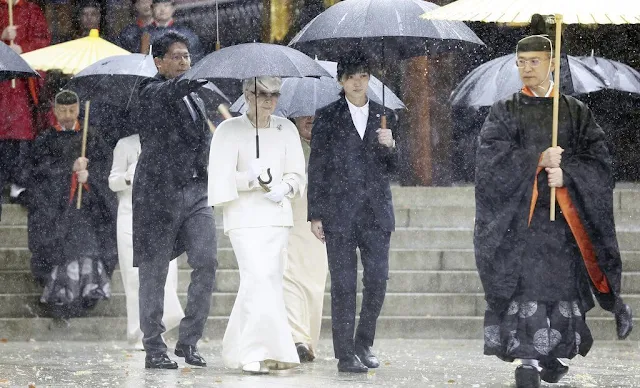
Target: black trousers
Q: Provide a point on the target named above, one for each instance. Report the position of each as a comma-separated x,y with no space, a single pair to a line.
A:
193,227
373,243
13,154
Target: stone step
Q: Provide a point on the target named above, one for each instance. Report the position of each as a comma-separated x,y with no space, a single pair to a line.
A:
402,238
429,217
399,259
113,329
396,304
228,280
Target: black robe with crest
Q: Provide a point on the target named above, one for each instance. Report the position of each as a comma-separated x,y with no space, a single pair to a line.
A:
531,268
74,251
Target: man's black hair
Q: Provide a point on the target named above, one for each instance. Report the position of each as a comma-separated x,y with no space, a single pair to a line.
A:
66,97
161,44
352,63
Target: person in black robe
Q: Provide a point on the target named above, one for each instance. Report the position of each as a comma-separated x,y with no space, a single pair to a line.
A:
73,250
538,276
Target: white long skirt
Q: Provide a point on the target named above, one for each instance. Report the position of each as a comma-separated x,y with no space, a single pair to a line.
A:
305,276
258,329
173,312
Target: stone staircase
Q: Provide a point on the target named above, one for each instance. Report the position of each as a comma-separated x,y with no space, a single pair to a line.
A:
433,291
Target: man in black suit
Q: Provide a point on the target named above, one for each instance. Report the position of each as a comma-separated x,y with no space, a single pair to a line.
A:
170,210
350,207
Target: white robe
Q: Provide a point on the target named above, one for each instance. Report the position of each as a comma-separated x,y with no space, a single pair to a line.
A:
124,155
305,274
258,329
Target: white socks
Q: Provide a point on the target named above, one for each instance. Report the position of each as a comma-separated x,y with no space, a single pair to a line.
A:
531,362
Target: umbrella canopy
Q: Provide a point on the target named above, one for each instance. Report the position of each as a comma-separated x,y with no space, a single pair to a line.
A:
303,96
519,12
376,24
12,66
113,80
499,78
250,60
620,76
73,56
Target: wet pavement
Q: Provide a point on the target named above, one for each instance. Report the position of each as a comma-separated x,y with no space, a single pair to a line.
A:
405,363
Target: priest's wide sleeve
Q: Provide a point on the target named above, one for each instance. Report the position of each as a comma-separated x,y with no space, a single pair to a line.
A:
504,173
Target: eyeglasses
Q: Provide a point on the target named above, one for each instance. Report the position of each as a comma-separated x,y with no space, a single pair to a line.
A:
265,95
534,62
177,57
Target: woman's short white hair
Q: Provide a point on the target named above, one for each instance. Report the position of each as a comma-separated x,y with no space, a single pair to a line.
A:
268,84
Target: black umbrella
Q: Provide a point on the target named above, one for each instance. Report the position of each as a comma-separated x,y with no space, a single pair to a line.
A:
13,66
382,29
252,60
499,78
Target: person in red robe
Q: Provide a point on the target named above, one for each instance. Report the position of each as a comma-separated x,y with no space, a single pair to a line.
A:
19,97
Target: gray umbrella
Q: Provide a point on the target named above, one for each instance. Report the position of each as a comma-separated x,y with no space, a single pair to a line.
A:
303,96
378,26
382,29
13,66
499,78
114,80
252,60
620,76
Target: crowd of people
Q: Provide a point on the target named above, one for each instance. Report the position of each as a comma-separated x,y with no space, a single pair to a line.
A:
319,192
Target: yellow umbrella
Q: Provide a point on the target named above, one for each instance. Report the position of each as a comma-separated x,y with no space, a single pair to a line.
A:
73,56
519,12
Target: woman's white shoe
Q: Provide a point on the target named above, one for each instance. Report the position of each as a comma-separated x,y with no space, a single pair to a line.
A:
257,368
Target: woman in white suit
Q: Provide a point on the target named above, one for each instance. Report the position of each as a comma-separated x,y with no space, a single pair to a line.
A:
125,157
257,221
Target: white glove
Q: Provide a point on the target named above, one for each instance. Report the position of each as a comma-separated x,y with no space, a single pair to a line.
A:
256,167
131,170
278,192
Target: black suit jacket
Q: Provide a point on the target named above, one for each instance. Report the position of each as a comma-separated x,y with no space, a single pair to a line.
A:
175,143
341,177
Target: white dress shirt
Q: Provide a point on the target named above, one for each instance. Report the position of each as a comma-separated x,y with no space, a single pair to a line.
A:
359,115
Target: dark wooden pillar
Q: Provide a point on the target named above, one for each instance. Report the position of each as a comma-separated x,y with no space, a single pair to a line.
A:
416,95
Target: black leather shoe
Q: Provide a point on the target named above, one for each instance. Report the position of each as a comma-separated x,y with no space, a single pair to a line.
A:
552,371
304,352
190,354
351,364
160,361
527,376
624,322
367,357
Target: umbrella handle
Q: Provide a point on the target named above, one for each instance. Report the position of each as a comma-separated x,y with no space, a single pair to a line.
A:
267,181
383,122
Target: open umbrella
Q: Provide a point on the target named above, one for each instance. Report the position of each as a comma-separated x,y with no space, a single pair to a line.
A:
520,12
383,30
73,56
303,96
620,76
113,80
251,60
13,66
499,78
